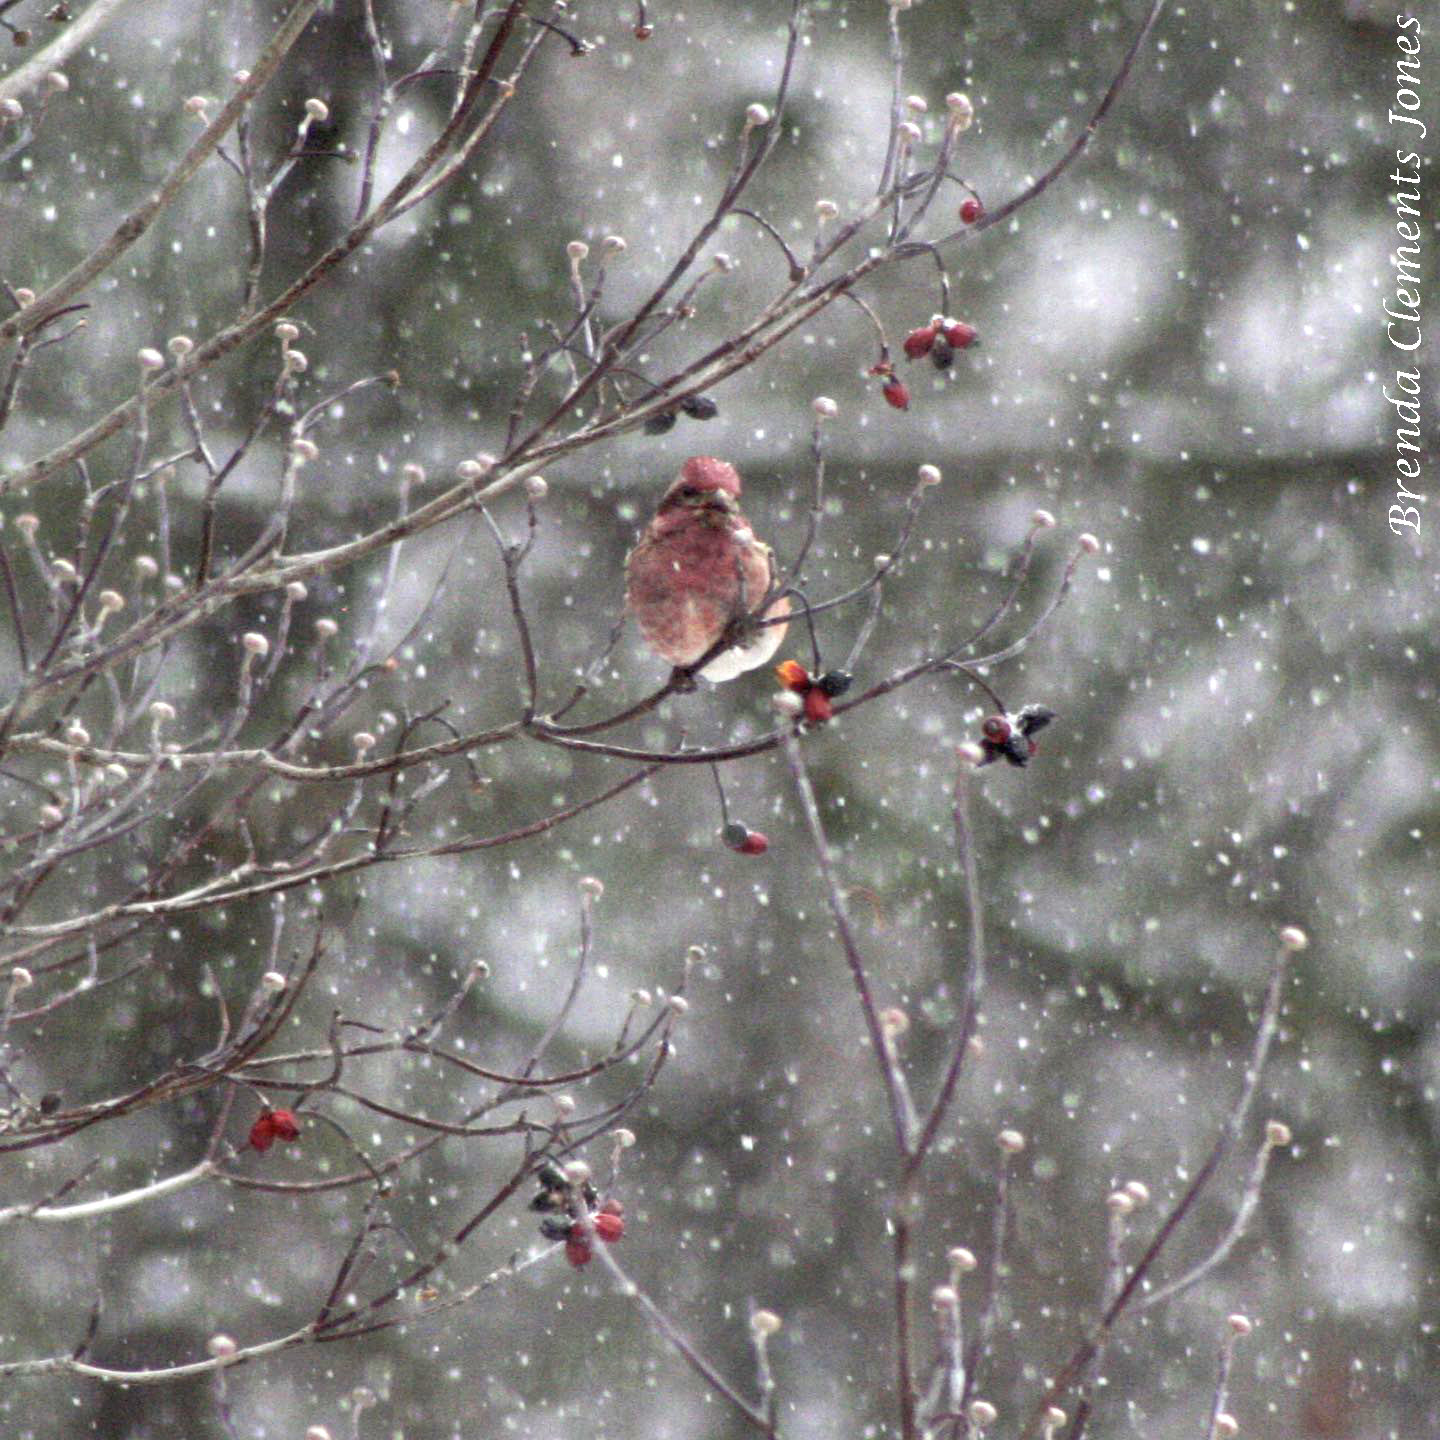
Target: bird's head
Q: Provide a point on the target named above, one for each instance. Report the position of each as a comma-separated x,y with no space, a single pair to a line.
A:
704,484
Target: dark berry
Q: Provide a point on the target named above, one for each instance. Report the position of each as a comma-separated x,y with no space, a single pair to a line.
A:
659,424
699,407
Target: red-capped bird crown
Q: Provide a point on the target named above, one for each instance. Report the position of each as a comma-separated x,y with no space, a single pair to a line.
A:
705,472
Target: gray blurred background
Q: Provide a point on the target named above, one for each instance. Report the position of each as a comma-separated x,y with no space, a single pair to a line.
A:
1182,351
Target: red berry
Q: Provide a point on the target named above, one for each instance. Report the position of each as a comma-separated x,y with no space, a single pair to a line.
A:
754,844
273,1125
609,1227
996,728
896,395
959,334
793,675
286,1126
577,1250
817,706
918,342
971,210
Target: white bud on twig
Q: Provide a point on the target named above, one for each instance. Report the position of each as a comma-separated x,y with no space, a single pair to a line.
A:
613,245
303,451
1277,1133
962,112
982,1413
826,210
917,104
592,886
969,753
1293,939
255,644
1120,1203
909,133
325,627
577,1172
1042,519
27,524
222,1347
1012,1142
77,734
624,1138
195,105
787,703
273,981
179,346
57,82
64,572
51,814
1239,1324
412,474
11,109
1138,1191
756,114
286,331
764,1323
21,978
929,475
111,600
577,250
363,741
161,711
296,591
824,407
962,1261
316,109
894,1022
679,1004
150,358
146,566
1089,543
536,487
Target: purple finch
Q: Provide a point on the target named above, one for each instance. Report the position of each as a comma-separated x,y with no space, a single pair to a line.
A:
698,575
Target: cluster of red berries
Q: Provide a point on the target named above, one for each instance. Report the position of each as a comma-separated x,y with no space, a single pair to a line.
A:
1007,737
940,339
273,1125
575,1213
816,691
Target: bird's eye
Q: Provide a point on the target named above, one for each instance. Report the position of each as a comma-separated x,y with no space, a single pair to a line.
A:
689,492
